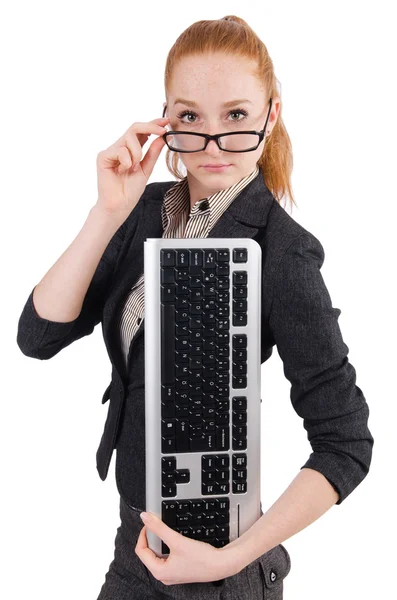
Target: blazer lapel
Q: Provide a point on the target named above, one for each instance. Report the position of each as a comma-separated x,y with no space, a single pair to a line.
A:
131,268
245,217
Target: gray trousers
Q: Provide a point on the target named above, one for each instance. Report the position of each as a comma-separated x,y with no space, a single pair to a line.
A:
129,579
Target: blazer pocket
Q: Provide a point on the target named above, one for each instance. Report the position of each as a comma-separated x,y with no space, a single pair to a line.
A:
106,394
274,567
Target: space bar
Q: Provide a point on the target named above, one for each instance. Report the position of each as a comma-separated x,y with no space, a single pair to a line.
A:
167,343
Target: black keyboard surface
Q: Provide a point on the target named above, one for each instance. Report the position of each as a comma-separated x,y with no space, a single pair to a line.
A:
195,391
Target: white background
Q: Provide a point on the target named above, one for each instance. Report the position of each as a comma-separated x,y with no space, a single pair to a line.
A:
75,76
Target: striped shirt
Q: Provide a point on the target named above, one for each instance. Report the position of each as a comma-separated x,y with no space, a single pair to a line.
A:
178,223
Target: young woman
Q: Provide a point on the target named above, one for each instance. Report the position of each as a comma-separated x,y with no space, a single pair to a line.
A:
219,79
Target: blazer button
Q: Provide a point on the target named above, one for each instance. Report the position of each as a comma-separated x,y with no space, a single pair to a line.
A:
273,575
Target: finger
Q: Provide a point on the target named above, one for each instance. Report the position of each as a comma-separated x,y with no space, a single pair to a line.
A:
143,130
135,141
164,122
134,138
134,147
160,121
151,156
116,156
159,528
125,160
146,555
142,540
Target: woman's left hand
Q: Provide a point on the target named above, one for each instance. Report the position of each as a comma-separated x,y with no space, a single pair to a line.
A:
189,560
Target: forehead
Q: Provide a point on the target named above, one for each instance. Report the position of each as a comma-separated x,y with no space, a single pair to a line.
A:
214,76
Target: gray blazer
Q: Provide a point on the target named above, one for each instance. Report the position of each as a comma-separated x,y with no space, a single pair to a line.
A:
297,317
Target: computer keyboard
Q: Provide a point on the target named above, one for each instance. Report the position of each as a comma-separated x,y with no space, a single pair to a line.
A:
202,386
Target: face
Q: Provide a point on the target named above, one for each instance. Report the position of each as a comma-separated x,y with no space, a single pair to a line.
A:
207,82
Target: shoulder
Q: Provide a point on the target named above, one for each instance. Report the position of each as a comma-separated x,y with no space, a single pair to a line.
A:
152,194
283,230
291,254
154,191
286,239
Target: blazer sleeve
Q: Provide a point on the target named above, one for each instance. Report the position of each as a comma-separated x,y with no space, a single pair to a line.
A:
323,381
41,338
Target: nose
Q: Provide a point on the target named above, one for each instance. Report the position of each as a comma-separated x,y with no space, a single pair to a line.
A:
213,148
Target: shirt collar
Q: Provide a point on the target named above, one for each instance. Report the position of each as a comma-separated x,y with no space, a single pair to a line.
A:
177,198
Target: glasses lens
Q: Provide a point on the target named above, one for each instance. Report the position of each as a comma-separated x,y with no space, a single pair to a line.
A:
182,142
185,143
239,141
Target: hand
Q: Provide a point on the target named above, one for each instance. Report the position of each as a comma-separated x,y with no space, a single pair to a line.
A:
189,560
122,174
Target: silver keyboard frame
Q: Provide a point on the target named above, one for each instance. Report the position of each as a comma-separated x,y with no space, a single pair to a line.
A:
245,509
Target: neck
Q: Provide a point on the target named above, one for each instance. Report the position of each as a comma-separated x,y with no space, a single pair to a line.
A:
197,191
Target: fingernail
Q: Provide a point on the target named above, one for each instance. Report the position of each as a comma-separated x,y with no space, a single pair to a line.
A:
144,516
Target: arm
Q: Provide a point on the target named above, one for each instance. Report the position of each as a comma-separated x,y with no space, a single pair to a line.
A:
323,392
77,284
307,497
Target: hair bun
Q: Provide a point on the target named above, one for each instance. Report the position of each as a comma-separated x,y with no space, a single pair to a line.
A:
234,18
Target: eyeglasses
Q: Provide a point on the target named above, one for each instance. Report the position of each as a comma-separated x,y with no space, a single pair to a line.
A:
236,141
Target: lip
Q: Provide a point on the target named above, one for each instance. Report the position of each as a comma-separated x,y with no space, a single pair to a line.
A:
215,167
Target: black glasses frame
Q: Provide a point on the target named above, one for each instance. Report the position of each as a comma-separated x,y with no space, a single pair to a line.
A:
216,137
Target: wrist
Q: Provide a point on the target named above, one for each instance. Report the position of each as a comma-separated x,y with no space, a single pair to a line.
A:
234,557
107,221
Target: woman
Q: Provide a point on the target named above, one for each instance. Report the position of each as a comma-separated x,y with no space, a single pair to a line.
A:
219,79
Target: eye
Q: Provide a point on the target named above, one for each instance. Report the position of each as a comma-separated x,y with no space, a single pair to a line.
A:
185,113
239,111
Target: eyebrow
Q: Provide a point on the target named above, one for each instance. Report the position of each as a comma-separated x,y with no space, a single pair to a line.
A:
191,103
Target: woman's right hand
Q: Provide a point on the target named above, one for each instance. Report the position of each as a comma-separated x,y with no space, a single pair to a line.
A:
119,185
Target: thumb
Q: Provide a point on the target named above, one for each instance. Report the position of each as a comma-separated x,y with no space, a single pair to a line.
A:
152,155
158,527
